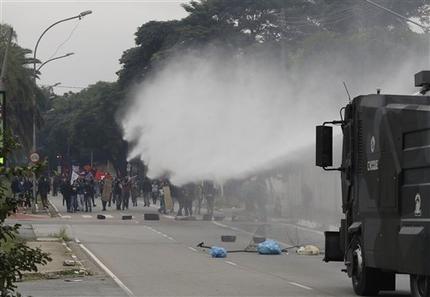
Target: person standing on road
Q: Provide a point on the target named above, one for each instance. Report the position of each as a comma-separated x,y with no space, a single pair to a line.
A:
88,195
117,192
55,185
188,199
43,189
81,193
126,191
27,186
147,189
154,192
66,190
15,187
74,196
106,191
209,193
178,194
134,193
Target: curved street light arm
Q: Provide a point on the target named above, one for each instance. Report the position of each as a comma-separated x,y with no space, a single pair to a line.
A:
46,62
79,16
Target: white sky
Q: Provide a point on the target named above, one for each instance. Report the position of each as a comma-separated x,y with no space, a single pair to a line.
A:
98,40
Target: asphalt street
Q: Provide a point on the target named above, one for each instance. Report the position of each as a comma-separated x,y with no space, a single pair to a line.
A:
161,258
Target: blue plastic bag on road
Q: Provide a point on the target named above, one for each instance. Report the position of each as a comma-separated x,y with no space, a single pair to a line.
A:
269,247
218,252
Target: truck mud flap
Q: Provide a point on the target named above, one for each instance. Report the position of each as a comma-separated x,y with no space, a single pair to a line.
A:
333,251
413,250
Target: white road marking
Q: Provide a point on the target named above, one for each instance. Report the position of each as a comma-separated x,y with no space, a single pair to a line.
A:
221,225
231,263
108,272
300,286
193,249
169,217
87,216
160,233
108,216
66,217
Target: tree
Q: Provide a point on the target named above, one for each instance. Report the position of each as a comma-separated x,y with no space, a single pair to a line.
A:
20,88
15,256
85,122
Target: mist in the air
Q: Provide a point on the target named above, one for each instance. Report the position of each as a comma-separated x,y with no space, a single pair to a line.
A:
208,114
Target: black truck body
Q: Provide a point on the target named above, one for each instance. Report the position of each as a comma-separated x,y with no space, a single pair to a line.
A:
385,174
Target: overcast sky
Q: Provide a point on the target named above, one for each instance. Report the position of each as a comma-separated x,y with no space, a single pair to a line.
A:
98,40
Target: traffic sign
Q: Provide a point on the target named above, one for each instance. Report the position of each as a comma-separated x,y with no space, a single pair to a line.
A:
34,157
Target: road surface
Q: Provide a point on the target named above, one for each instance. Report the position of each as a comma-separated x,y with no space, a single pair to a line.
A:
160,258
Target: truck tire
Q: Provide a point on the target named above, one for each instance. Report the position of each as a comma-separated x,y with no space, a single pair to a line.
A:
364,279
420,285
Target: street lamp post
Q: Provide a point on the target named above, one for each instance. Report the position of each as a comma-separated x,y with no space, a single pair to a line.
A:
53,59
35,70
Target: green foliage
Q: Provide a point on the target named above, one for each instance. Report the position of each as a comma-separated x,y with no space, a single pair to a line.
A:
85,122
15,256
293,31
20,88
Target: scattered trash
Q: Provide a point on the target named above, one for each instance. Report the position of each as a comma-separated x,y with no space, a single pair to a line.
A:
69,263
258,239
218,252
73,280
308,250
269,247
219,217
207,217
228,238
151,217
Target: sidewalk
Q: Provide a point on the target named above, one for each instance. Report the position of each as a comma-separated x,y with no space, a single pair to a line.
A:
81,278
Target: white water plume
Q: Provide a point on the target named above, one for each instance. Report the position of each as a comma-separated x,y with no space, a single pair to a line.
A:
208,115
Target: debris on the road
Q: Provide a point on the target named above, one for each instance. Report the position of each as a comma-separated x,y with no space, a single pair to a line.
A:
207,217
228,238
308,250
269,247
188,218
258,239
68,262
219,217
151,217
218,252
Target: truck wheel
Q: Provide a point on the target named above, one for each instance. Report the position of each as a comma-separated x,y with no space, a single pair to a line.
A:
364,279
420,285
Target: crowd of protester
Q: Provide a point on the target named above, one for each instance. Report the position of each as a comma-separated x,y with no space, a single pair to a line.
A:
80,193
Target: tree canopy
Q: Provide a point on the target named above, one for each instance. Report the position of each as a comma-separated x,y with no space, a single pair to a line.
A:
294,30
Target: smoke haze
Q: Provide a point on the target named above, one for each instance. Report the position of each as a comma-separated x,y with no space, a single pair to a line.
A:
209,114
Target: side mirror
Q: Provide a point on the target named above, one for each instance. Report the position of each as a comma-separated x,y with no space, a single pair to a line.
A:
324,146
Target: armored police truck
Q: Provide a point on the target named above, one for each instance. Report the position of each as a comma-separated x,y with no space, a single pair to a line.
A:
385,173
